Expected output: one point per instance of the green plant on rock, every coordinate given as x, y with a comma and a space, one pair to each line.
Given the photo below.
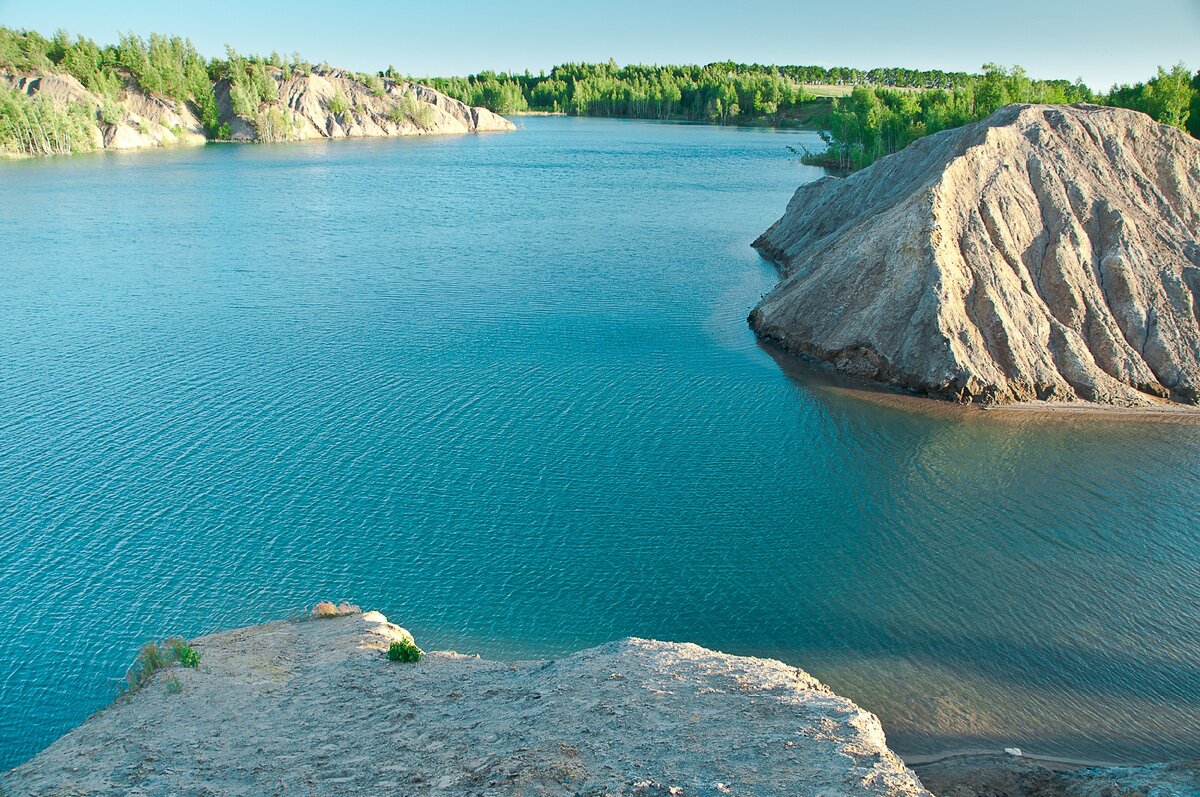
405, 650
110, 112
156, 656
275, 124
184, 653
39, 126
408, 109
338, 104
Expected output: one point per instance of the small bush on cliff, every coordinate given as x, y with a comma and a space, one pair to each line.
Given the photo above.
409, 109
184, 653
405, 651
327, 609
338, 104
156, 656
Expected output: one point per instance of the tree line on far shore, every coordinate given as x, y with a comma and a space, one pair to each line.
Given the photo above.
884, 110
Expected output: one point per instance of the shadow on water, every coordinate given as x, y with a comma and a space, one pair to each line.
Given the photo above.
820, 379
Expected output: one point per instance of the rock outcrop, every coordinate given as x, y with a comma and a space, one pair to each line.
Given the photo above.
1046, 252
334, 103
137, 120
322, 103
314, 707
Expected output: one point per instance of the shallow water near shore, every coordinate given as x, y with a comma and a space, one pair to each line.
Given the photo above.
501, 388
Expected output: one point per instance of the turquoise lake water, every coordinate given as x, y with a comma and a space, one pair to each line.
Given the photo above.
502, 389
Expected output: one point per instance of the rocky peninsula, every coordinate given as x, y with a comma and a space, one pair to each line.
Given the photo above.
315, 706
1044, 253
324, 102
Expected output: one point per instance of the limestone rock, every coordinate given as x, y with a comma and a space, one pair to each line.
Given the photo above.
400, 109
139, 119
1046, 252
314, 707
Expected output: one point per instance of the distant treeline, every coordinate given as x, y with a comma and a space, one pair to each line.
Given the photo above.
724, 92
718, 92
885, 111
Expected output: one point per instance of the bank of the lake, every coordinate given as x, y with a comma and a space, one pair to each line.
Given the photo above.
502, 387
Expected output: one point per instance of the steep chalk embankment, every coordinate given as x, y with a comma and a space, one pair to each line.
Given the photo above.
313, 707
1046, 252
310, 106
323, 103
140, 120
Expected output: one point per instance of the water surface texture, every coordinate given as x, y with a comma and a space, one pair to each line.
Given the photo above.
501, 388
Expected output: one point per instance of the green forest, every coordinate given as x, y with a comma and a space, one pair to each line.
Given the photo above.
873, 122
880, 111
883, 111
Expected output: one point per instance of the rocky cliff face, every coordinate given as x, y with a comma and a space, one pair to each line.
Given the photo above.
332, 103
1046, 252
137, 120
326, 103
314, 707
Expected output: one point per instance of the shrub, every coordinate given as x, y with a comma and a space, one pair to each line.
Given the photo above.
38, 126
405, 650
409, 109
174, 685
326, 609
338, 104
275, 124
184, 653
110, 112
372, 82
155, 656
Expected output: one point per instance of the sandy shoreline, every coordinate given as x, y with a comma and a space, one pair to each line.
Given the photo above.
821, 377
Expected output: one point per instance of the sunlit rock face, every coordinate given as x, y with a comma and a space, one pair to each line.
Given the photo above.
1046, 252
315, 707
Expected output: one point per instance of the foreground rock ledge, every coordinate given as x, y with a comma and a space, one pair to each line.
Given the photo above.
1044, 253
314, 707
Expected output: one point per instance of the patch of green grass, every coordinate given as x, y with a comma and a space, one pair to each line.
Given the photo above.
338, 104
156, 656
184, 653
405, 651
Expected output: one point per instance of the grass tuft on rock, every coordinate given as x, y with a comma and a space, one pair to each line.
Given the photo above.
156, 656
405, 651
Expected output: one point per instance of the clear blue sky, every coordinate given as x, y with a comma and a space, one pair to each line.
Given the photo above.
1102, 41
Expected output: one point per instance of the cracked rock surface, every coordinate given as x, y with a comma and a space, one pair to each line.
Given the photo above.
1044, 253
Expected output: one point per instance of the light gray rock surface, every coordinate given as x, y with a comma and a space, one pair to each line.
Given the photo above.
314, 707
304, 110
1046, 252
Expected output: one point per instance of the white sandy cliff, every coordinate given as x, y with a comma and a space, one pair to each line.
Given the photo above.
314, 707
1046, 252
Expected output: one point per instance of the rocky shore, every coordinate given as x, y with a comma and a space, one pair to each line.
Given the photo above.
315, 706
1046, 253
323, 103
